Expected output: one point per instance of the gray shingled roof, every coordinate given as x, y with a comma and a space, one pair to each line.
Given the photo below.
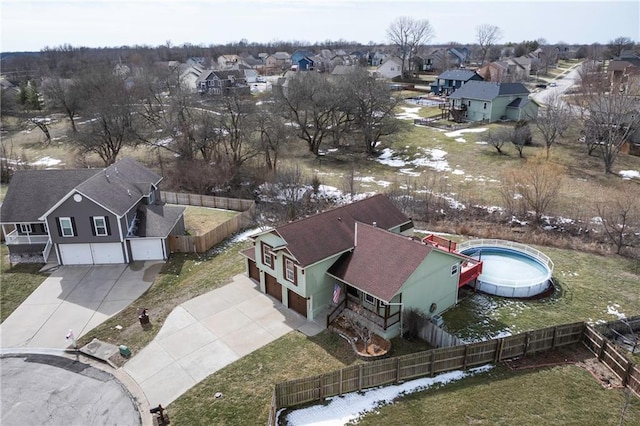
120, 186
32, 192
158, 221
486, 91
320, 236
518, 103
461, 75
381, 262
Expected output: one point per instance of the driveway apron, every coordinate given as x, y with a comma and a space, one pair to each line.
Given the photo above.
204, 334
77, 298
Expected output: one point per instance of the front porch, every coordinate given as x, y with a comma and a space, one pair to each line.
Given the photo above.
28, 248
379, 317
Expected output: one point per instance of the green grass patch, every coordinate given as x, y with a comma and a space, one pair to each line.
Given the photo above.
200, 220
587, 285
247, 384
18, 282
560, 395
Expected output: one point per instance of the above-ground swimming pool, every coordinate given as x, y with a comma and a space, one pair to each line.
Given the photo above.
509, 269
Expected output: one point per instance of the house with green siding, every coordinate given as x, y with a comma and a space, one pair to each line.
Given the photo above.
488, 101
362, 257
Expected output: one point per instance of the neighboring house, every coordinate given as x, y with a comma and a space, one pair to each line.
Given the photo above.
121, 69
227, 61
222, 82
299, 54
486, 101
89, 216
496, 72
189, 75
391, 68
447, 82
303, 64
360, 256
343, 70
619, 70
459, 56
510, 70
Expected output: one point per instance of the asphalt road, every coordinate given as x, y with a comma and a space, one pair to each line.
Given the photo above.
53, 390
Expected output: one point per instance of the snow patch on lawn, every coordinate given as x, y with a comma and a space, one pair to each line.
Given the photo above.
629, 174
410, 113
458, 133
613, 310
461, 140
349, 407
47, 162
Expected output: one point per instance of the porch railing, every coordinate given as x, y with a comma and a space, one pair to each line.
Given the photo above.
336, 312
47, 250
14, 238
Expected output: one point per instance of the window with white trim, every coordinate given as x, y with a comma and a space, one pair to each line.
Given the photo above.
25, 228
290, 270
369, 299
454, 269
267, 255
66, 227
100, 226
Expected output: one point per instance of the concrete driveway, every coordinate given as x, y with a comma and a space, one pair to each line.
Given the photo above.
77, 298
204, 334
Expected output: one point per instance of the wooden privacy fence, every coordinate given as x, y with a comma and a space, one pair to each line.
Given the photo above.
437, 337
612, 358
202, 243
421, 364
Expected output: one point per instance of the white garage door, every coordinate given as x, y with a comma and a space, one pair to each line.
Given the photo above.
76, 254
147, 249
107, 253
89, 254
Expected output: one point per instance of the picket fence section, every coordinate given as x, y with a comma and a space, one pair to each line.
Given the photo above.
203, 243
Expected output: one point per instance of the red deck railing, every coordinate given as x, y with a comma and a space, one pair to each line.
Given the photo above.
471, 268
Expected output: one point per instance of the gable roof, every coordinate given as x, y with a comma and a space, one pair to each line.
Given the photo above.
32, 192
381, 261
119, 186
463, 75
331, 232
486, 91
158, 221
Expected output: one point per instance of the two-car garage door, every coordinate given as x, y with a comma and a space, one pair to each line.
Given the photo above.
91, 254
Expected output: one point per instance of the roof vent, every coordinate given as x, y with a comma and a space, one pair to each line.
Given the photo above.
129, 193
375, 224
107, 176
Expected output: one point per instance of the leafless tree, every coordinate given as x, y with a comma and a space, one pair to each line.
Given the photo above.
552, 119
620, 217
536, 185
371, 105
408, 34
111, 113
64, 94
487, 35
274, 136
309, 102
618, 44
612, 114
499, 137
521, 136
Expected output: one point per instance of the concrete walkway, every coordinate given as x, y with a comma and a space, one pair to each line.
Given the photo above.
77, 298
204, 334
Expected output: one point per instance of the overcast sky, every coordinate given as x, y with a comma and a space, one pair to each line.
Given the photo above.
30, 25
